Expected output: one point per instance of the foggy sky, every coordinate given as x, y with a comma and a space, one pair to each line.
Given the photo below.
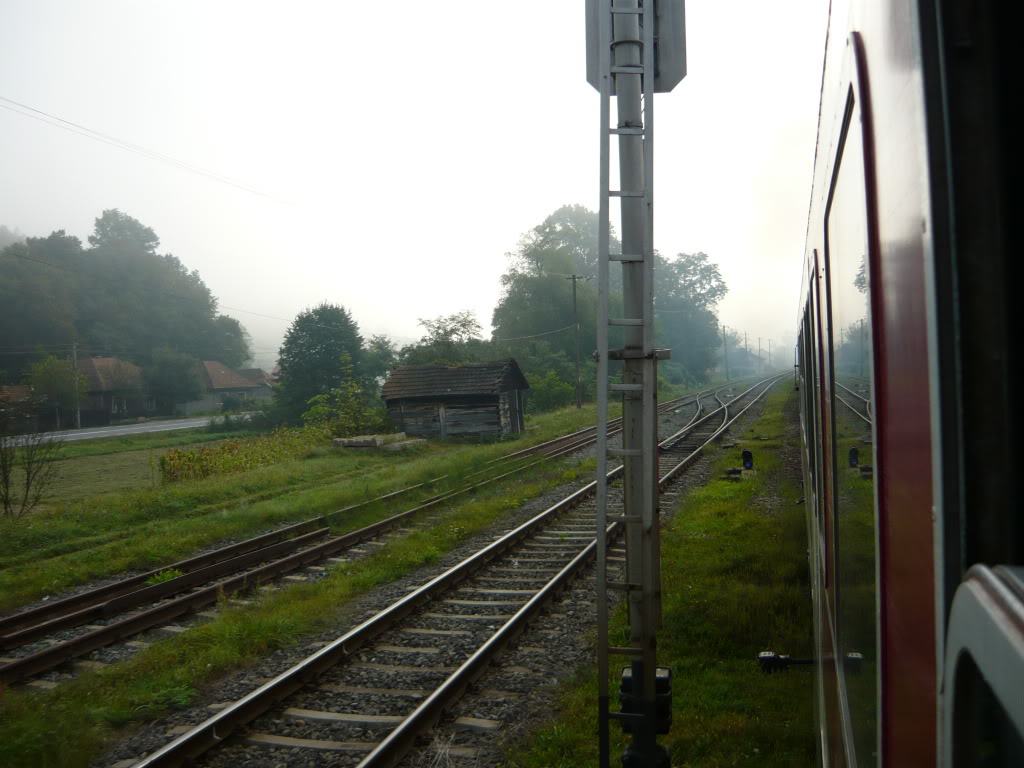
398, 150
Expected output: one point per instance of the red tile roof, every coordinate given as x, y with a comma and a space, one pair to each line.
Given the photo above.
14, 393
219, 376
105, 374
447, 381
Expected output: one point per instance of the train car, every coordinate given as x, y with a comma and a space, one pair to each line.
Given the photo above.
904, 366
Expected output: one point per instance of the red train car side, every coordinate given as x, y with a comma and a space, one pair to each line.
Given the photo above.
904, 360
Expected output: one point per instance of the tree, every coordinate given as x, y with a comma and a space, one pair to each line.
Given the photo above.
379, 358
346, 410
9, 236
28, 468
118, 297
173, 378
549, 391
309, 357
114, 229
57, 384
450, 340
687, 290
39, 305
537, 302
232, 341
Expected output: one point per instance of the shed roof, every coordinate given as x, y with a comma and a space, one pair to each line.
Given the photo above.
106, 374
219, 376
449, 380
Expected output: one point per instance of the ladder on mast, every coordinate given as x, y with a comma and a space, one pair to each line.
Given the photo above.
626, 66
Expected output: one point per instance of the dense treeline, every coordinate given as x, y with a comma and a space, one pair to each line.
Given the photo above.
119, 297
115, 297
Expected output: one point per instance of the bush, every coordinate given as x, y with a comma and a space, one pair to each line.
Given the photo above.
231, 403
225, 424
346, 411
267, 416
238, 455
549, 392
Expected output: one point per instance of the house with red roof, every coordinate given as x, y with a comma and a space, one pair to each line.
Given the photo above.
225, 385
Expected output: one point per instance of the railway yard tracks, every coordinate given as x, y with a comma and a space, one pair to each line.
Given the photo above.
52, 641
855, 400
365, 697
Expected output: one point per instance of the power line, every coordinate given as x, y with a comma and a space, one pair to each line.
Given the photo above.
533, 336
127, 146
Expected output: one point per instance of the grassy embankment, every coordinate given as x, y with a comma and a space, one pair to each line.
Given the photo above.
68, 726
735, 583
68, 544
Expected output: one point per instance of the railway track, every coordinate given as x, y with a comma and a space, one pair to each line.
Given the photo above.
43, 645
856, 402
367, 696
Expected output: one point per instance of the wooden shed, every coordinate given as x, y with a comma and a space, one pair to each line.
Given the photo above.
477, 400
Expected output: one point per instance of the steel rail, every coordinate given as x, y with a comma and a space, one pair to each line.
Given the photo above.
72, 606
217, 727
401, 739
60, 653
867, 403
668, 476
107, 591
63, 652
188, 746
149, 594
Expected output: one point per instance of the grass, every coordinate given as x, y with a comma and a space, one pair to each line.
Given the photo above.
735, 583
104, 446
65, 545
69, 726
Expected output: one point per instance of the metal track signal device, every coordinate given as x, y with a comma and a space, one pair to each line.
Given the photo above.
634, 48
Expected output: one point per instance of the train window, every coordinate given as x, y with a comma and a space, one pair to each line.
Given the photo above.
854, 521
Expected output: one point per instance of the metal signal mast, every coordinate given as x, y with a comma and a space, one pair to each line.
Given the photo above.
634, 48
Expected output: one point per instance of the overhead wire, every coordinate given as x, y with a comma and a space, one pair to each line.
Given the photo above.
532, 336
104, 138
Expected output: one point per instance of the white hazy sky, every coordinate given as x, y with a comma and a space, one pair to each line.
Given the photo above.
402, 147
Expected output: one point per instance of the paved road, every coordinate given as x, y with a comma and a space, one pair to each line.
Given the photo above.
131, 429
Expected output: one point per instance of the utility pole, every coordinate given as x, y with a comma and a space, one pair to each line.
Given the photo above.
576, 323
761, 367
74, 365
725, 353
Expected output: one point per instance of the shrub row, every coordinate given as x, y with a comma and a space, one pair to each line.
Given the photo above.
237, 455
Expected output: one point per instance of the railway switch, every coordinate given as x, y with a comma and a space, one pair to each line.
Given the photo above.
633, 704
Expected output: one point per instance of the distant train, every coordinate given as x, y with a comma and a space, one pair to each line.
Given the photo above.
909, 413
